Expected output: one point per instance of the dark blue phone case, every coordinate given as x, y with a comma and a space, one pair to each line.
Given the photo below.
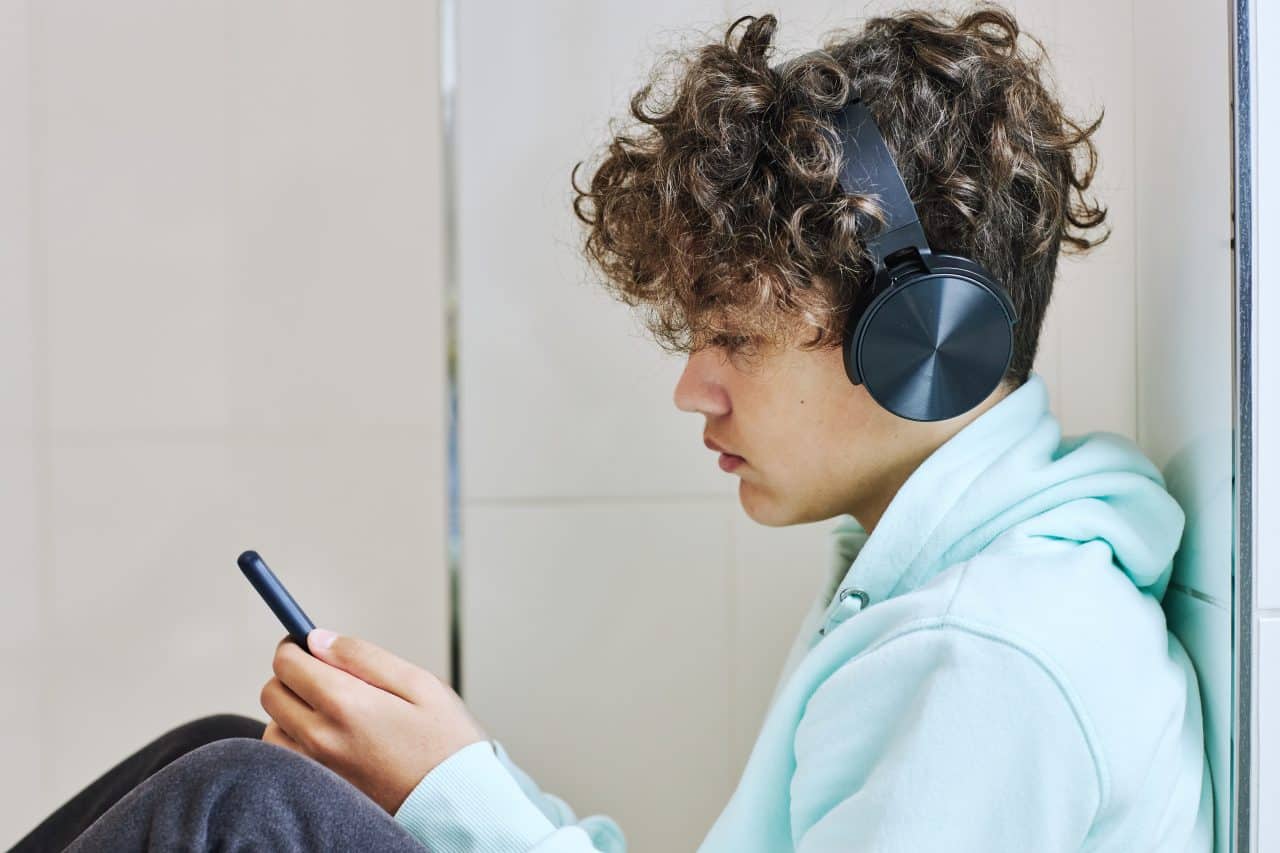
276, 597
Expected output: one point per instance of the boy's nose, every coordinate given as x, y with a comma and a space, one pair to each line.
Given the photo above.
699, 388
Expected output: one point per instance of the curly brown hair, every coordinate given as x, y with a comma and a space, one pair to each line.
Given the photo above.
722, 215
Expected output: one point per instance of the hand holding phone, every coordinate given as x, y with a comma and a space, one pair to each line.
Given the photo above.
277, 597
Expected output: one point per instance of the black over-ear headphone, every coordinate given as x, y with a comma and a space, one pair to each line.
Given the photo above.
932, 335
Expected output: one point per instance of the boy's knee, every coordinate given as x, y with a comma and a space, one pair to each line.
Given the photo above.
250, 759
257, 780
234, 789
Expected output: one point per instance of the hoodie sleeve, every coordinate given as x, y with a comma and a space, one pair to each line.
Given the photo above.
943, 738
478, 801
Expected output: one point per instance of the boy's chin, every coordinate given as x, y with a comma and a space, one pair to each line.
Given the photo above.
768, 509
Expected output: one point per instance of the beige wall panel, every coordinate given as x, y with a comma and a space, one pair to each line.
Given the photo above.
228, 333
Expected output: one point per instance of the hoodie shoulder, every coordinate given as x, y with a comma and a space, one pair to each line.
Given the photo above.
1063, 600
1072, 608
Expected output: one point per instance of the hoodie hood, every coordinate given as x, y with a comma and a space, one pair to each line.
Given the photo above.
1011, 468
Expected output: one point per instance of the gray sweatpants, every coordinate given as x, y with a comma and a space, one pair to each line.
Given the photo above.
242, 794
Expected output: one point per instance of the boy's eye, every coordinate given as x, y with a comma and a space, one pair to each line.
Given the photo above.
731, 342
734, 346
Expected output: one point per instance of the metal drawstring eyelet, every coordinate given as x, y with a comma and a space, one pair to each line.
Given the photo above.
842, 608
862, 596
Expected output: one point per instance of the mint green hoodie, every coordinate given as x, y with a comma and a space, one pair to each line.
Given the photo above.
990, 671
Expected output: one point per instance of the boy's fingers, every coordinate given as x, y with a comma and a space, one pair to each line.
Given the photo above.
374, 665
289, 714
315, 682
274, 734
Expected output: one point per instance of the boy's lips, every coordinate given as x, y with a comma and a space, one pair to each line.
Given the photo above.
711, 445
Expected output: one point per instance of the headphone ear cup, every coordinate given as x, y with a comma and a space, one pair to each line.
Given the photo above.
931, 344
946, 262
865, 297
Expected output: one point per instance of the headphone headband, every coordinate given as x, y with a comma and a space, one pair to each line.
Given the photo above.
870, 170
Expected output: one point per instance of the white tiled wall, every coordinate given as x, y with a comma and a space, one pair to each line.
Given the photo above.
614, 590
220, 328
597, 647
1184, 331
1267, 752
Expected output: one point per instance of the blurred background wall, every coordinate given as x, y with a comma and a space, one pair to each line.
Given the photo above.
224, 239
221, 328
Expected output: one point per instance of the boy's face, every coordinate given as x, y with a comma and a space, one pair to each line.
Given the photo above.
815, 445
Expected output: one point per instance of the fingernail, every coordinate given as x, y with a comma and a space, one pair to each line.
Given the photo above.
322, 638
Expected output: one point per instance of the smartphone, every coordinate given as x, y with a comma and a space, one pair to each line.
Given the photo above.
276, 597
